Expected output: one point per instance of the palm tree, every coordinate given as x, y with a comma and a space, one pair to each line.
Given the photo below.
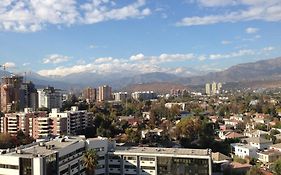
90, 161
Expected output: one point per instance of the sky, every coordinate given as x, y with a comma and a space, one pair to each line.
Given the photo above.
61, 37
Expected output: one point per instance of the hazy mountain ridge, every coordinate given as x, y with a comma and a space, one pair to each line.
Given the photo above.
260, 70
264, 70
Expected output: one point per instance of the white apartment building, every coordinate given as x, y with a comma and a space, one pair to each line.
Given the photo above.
49, 98
119, 96
63, 156
144, 95
244, 150
159, 161
73, 120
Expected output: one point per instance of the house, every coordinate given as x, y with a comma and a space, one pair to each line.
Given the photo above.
276, 147
229, 134
258, 142
269, 156
245, 150
231, 122
255, 133
238, 168
151, 133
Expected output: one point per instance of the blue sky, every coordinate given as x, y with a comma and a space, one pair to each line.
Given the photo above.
111, 36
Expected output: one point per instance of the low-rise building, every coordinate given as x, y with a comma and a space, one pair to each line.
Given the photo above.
64, 156
259, 142
245, 150
269, 156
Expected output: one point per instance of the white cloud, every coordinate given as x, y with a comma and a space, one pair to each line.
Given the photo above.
55, 58
25, 64
138, 57
9, 65
103, 60
225, 42
269, 48
239, 53
265, 10
34, 15
251, 30
141, 63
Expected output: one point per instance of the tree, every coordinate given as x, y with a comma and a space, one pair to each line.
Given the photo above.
90, 161
254, 171
277, 167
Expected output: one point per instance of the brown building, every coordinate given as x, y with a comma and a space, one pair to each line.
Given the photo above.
10, 93
89, 94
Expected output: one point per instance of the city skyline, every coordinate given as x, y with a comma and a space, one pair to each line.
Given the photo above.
103, 36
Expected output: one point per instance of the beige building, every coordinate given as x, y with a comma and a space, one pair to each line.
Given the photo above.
104, 93
89, 94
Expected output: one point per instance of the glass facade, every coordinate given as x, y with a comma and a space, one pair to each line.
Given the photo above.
182, 166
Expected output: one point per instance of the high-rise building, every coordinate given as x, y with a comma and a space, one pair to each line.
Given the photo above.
219, 86
49, 98
90, 94
104, 93
208, 88
214, 88
28, 96
10, 93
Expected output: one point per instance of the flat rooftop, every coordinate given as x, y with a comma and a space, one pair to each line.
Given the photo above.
162, 151
43, 148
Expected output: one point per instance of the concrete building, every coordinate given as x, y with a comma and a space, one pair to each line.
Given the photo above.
208, 89
28, 96
59, 156
63, 155
214, 88
42, 125
104, 93
181, 106
49, 98
144, 95
245, 150
120, 96
158, 161
72, 121
26, 121
10, 93
90, 94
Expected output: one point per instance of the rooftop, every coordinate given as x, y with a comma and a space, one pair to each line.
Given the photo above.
43, 148
259, 140
278, 145
156, 150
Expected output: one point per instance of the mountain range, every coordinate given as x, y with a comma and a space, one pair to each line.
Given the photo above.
264, 70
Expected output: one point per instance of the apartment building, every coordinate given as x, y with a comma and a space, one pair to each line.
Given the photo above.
104, 93
120, 96
63, 155
10, 93
158, 161
70, 122
89, 94
144, 95
42, 125
49, 97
